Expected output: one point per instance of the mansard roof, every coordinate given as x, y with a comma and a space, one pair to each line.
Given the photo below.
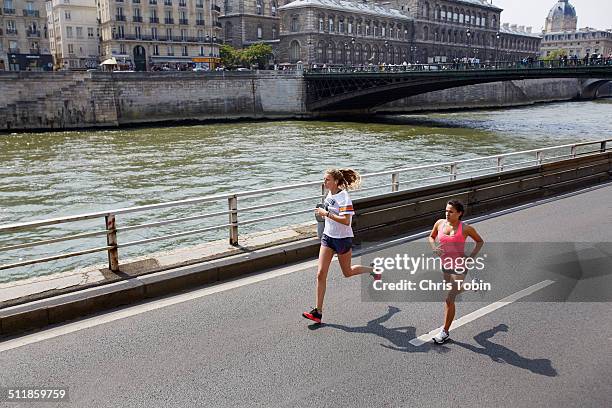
347, 5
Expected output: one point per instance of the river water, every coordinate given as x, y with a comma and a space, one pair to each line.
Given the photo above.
44, 175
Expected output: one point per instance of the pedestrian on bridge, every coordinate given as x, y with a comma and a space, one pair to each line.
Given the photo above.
447, 239
338, 234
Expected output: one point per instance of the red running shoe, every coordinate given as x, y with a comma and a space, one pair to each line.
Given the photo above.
313, 315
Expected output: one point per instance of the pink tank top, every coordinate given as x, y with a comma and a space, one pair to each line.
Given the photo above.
452, 246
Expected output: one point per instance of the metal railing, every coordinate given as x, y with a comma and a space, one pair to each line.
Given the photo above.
459, 66
112, 230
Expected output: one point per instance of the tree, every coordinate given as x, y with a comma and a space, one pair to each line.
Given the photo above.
257, 54
555, 54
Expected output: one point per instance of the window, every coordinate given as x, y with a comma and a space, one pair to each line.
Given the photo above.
183, 34
331, 24
273, 7
68, 32
122, 48
321, 24
259, 32
185, 53
294, 24
90, 32
70, 49
170, 50
350, 27
67, 14
137, 32
156, 50
168, 33
341, 26
259, 7
201, 50
274, 32
79, 32
154, 33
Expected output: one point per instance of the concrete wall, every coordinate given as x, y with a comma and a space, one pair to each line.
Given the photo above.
496, 94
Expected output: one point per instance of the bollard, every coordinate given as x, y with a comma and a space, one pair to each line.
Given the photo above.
111, 241
395, 182
233, 219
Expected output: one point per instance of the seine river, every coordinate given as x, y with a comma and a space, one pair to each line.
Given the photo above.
44, 175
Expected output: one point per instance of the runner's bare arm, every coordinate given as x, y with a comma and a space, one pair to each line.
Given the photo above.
432, 236
471, 232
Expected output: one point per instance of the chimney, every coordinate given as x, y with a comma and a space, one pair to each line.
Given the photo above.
521, 28
513, 27
529, 29
506, 26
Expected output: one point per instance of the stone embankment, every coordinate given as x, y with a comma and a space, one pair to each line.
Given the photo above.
69, 100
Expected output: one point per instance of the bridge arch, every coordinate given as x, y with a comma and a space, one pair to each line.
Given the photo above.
591, 87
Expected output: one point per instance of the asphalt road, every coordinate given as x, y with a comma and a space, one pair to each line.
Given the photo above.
249, 346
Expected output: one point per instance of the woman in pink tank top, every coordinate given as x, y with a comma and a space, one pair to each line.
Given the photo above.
447, 239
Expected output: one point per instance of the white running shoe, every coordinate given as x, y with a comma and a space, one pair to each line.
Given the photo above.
441, 337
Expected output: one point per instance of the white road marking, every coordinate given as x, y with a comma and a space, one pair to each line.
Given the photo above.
149, 306
426, 338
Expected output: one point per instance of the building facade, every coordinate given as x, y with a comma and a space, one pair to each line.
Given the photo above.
579, 43
343, 32
446, 30
247, 22
562, 17
151, 34
561, 34
24, 38
74, 33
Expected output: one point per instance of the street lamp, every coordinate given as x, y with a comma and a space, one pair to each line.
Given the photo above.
435, 47
211, 40
497, 37
413, 49
468, 36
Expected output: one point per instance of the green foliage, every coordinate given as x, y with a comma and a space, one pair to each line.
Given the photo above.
554, 55
256, 54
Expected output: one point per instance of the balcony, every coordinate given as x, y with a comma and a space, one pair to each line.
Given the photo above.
168, 3
217, 24
183, 21
215, 8
31, 13
182, 4
135, 1
137, 19
153, 20
168, 21
34, 51
9, 11
200, 22
120, 18
200, 5
153, 2
0, 31
11, 31
14, 50
33, 33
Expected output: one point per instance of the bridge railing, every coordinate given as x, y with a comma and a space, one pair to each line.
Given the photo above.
460, 65
269, 204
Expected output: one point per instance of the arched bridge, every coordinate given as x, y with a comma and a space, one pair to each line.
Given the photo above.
358, 88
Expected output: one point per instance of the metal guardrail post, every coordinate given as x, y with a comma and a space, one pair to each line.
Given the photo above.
111, 241
573, 151
453, 172
539, 157
233, 219
322, 192
500, 164
395, 182
603, 147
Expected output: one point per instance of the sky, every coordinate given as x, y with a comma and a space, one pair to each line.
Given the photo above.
591, 13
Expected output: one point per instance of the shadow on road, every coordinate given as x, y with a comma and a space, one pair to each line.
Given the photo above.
399, 337
501, 354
